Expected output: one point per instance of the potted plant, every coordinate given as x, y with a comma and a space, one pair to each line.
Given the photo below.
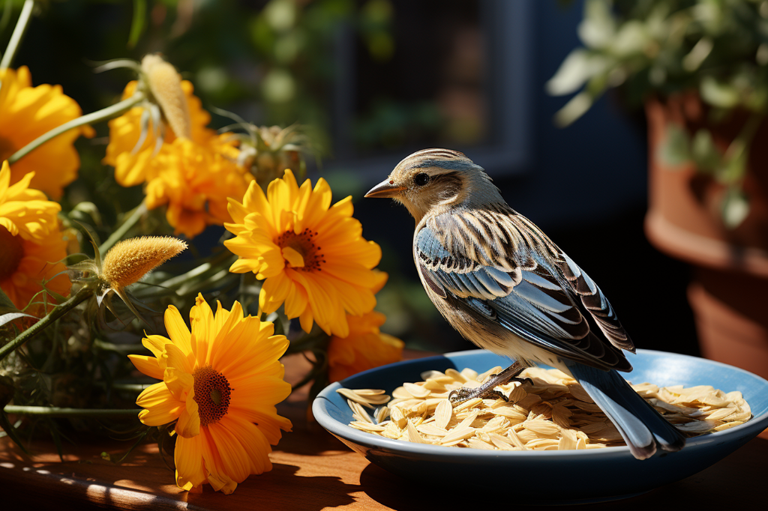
700, 69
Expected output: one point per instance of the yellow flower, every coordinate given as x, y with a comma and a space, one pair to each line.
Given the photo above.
132, 159
364, 348
312, 255
31, 242
221, 382
28, 112
195, 182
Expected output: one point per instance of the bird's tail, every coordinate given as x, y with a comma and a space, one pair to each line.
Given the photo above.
642, 427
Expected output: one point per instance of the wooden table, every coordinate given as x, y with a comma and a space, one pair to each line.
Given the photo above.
314, 471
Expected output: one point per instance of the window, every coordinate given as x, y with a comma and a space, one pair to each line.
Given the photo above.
458, 77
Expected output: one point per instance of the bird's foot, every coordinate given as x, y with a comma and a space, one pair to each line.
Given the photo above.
488, 389
463, 394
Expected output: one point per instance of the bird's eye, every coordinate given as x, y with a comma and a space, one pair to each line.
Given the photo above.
421, 179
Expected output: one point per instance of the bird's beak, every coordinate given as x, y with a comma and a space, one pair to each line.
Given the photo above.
384, 190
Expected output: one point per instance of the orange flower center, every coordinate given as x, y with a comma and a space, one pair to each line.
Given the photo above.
11, 253
212, 392
300, 250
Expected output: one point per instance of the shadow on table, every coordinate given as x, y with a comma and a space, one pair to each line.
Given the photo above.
279, 490
738, 479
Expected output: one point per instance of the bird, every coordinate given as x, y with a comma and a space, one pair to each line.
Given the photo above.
505, 286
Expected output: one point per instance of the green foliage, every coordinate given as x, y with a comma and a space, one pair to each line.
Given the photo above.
654, 48
658, 47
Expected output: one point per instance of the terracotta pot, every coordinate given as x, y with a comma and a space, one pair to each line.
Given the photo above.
729, 293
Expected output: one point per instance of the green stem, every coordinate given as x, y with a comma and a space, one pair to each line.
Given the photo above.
211, 265
58, 311
138, 388
124, 228
123, 349
18, 33
50, 411
94, 117
739, 150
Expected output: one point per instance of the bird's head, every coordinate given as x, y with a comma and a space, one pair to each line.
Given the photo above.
435, 179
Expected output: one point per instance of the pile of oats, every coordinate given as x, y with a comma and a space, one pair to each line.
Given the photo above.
555, 413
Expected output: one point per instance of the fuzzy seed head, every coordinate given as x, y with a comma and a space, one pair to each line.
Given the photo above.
165, 85
129, 260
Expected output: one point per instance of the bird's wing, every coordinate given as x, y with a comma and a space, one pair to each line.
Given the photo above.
498, 264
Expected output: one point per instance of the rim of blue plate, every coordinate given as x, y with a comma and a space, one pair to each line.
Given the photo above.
342, 430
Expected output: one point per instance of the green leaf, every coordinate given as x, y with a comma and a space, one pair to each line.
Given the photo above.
735, 162
598, 27
575, 108
86, 211
631, 39
6, 425
734, 207
138, 22
5, 303
705, 153
578, 67
674, 150
718, 94
698, 54
12, 316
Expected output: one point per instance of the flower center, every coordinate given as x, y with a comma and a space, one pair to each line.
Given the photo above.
11, 253
212, 392
300, 250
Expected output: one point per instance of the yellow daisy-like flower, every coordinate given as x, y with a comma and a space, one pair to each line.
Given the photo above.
312, 255
31, 241
364, 348
132, 161
195, 183
28, 112
221, 382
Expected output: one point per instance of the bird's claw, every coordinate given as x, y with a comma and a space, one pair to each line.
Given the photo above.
458, 396
463, 394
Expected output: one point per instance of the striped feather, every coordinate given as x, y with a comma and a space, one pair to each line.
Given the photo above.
500, 257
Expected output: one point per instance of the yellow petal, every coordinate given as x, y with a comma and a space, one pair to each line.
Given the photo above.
251, 446
188, 455
188, 424
156, 344
177, 329
293, 257
257, 393
201, 317
179, 383
217, 477
175, 358
147, 365
161, 406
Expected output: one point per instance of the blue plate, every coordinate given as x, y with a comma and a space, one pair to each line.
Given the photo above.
550, 477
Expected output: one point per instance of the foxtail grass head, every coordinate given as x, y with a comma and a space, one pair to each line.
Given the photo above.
129, 260
164, 84
162, 102
126, 263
